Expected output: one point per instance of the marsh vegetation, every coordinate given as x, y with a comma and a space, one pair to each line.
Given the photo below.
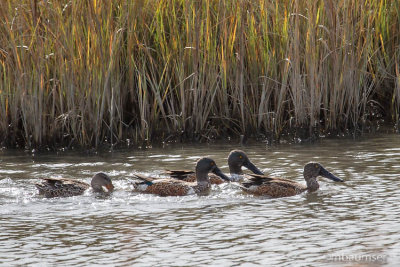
92, 72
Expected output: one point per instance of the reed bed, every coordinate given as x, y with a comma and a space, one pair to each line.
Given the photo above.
93, 72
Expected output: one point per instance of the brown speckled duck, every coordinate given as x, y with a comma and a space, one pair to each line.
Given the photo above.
278, 187
62, 187
175, 187
236, 160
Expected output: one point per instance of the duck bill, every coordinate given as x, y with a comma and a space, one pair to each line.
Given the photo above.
326, 174
109, 187
218, 172
252, 168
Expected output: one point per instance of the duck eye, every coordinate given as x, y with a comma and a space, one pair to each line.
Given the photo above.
240, 156
212, 163
316, 166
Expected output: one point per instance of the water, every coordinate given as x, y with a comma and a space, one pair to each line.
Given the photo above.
339, 225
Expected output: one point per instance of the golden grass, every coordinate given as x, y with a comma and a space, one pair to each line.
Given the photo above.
89, 72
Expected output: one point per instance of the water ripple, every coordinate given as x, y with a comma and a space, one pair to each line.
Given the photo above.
228, 227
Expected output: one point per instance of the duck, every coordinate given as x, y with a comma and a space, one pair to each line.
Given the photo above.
236, 160
64, 187
279, 187
175, 187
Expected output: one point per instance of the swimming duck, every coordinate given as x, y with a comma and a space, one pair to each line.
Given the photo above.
279, 187
174, 187
62, 187
236, 159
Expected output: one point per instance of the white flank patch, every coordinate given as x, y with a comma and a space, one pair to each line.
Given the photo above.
191, 191
253, 188
142, 187
236, 177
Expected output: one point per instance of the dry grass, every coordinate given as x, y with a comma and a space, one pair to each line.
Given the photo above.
89, 72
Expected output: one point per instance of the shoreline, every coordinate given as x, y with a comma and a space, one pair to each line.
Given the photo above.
289, 138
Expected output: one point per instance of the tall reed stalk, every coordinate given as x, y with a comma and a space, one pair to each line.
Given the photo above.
88, 72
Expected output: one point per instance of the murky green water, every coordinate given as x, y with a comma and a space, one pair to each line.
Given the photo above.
341, 224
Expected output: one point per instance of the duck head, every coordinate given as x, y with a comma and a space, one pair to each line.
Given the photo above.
206, 165
237, 159
315, 169
101, 182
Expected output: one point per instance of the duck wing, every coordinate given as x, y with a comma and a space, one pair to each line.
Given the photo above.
144, 179
170, 187
179, 174
163, 187
272, 187
190, 176
61, 187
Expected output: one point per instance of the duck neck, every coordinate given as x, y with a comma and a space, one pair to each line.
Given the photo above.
202, 179
235, 169
312, 184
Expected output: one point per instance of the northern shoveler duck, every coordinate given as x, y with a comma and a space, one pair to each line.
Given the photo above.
62, 187
174, 187
236, 160
278, 187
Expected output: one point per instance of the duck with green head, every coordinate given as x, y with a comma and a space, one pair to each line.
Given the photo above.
279, 187
62, 187
236, 160
176, 187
